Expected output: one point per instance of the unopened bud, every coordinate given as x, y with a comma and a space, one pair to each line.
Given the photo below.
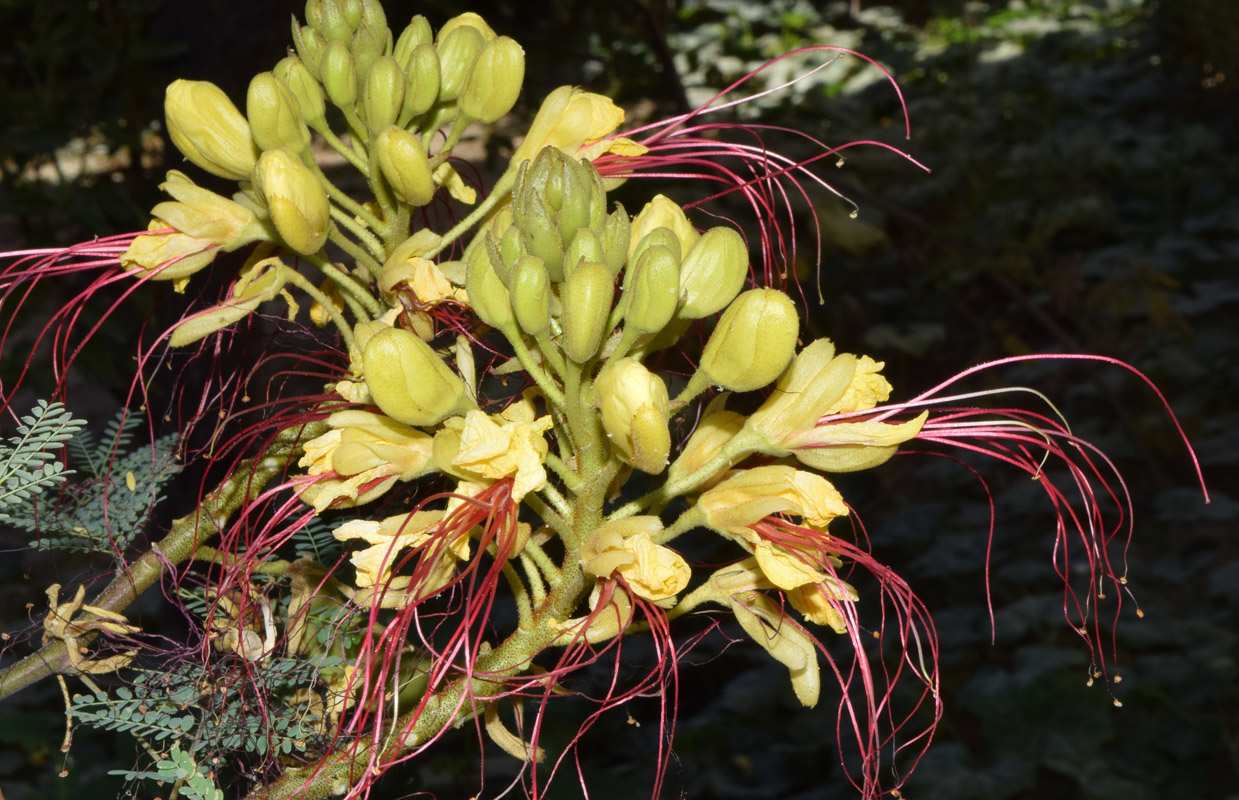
663, 237
304, 87
373, 15
366, 47
421, 87
383, 94
352, 11
661, 212
615, 236
712, 273
405, 166
457, 52
531, 294
295, 199
754, 340
495, 80
209, 130
586, 299
327, 17
467, 20
339, 75
651, 290
417, 32
487, 293
310, 45
635, 414
584, 246
409, 381
274, 115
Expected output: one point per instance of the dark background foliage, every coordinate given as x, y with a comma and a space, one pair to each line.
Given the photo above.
1083, 198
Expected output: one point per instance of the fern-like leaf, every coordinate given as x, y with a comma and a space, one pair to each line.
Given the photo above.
28, 460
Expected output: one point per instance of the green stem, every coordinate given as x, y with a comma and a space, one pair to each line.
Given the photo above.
571, 480
278, 568
548, 387
499, 192
524, 611
361, 302
346, 331
375, 252
334, 142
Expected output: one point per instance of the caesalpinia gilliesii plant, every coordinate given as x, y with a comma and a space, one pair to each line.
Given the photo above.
524, 417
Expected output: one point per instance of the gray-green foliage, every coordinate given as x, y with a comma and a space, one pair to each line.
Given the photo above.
118, 490
29, 465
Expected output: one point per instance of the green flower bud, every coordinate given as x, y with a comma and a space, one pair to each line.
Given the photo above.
274, 116
352, 11
531, 294
310, 45
408, 380
663, 237
457, 52
487, 293
417, 32
753, 342
295, 199
494, 83
422, 85
585, 246
373, 15
327, 17
467, 20
339, 75
574, 207
304, 88
651, 290
635, 414
712, 273
586, 299
405, 166
536, 221
383, 94
366, 47
209, 130
512, 247
615, 235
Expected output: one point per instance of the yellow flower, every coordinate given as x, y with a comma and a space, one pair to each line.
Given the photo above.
205, 223
652, 571
813, 601
750, 495
819, 383
363, 448
716, 429
424, 278
387, 538
576, 122
508, 445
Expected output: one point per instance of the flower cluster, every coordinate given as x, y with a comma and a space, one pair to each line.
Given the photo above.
506, 424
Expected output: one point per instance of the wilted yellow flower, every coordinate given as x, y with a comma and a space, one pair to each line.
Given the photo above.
813, 601
363, 448
513, 446
652, 571
424, 278
576, 122
390, 536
